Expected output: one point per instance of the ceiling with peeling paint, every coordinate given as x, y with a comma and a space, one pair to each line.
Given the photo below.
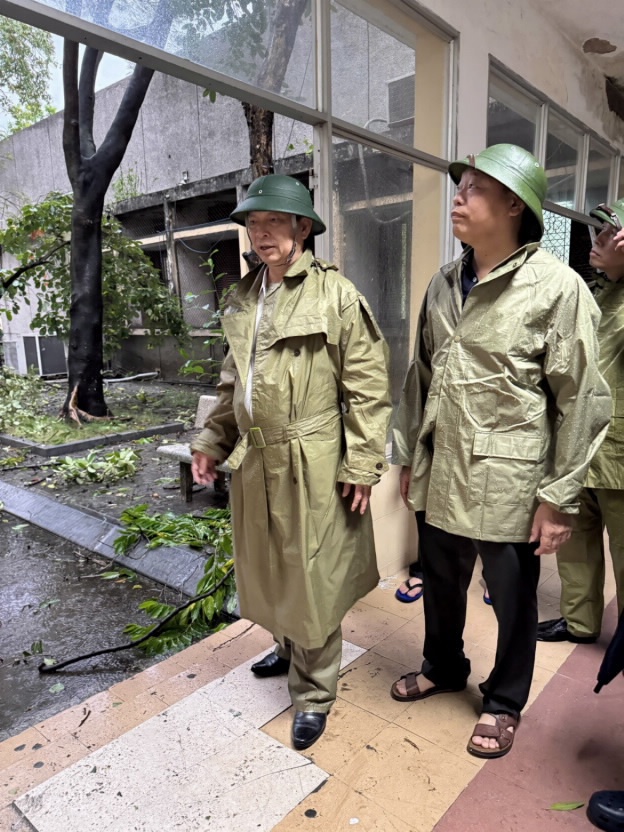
596, 27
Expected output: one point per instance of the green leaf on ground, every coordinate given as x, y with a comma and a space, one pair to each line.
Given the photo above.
57, 688
567, 807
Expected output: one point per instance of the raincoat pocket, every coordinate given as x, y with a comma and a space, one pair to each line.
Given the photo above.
506, 468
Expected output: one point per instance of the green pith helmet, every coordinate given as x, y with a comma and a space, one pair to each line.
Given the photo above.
515, 168
604, 213
278, 193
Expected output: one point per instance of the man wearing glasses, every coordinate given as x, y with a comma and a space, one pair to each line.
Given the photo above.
581, 560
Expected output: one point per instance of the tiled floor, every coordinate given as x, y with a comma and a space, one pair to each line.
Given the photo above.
197, 743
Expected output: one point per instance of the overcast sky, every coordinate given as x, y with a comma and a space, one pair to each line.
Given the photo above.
111, 69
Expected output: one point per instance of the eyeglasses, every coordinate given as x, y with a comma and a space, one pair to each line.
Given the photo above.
609, 229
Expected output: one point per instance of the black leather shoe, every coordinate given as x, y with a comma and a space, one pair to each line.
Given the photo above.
557, 630
271, 665
606, 810
307, 728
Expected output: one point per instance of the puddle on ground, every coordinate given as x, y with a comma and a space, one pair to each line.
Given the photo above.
48, 594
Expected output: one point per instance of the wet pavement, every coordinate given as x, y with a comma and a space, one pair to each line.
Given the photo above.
49, 594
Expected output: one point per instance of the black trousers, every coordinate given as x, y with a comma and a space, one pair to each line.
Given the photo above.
511, 572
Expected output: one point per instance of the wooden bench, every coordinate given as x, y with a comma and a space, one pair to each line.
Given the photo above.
181, 452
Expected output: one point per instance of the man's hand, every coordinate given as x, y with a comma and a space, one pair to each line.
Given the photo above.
405, 477
203, 468
551, 528
361, 495
619, 242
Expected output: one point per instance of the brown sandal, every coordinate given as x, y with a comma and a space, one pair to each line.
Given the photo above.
499, 732
413, 691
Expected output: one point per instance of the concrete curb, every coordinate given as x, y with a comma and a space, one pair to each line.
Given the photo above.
177, 567
88, 444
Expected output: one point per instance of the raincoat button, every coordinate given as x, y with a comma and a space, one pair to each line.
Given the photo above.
296, 352
457, 339
379, 466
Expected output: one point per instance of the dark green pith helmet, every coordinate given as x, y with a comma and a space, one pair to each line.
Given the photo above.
278, 193
515, 168
608, 213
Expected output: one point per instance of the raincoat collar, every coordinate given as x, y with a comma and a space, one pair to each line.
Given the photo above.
514, 261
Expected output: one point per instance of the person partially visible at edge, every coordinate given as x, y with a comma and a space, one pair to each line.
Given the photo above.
302, 417
581, 561
502, 411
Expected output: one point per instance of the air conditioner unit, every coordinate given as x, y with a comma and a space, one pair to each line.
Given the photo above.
401, 97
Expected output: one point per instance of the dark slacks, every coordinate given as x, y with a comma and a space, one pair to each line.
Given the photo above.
511, 572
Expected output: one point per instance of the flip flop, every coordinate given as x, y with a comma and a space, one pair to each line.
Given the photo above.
486, 599
499, 732
413, 691
404, 597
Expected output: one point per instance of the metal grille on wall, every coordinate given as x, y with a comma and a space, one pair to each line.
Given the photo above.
556, 237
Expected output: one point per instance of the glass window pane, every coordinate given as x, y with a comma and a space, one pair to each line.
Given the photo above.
598, 175
390, 76
562, 147
512, 116
269, 44
388, 221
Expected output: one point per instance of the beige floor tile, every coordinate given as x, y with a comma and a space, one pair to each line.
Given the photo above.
545, 574
53, 757
189, 680
405, 645
12, 821
67, 722
20, 747
366, 626
366, 684
408, 776
482, 662
145, 680
348, 730
383, 598
551, 655
249, 641
335, 807
102, 728
551, 586
547, 607
445, 720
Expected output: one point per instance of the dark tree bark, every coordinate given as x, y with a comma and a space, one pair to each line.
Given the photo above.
90, 172
271, 77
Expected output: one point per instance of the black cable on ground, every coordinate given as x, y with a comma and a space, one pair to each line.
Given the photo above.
52, 668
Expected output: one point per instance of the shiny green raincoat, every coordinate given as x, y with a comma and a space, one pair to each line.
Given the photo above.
321, 409
607, 467
508, 391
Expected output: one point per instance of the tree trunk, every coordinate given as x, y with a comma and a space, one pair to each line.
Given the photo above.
85, 391
271, 77
260, 127
90, 172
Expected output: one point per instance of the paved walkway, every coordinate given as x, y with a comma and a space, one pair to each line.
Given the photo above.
197, 743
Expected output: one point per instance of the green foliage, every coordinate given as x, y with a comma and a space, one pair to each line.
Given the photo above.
127, 185
114, 466
15, 392
26, 61
212, 531
39, 238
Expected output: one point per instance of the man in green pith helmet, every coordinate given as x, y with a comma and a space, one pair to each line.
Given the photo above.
502, 411
302, 418
581, 561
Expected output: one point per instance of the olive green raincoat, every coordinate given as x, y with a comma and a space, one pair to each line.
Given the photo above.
607, 467
508, 389
321, 410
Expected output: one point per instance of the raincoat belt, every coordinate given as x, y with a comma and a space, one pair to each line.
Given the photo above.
261, 437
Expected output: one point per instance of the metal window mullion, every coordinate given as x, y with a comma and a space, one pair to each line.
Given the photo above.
541, 133
581, 178
323, 173
614, 178
352, 132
